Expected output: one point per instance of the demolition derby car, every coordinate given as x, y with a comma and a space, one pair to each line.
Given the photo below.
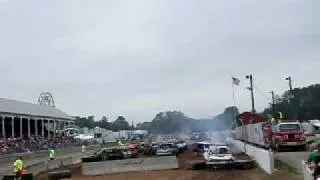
167, 149
217, 154
106, 154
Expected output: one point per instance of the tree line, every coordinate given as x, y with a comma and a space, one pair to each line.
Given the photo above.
165, 122
178, 122
119, 124
299, 104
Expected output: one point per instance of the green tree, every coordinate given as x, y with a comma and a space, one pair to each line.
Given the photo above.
103, 123
169, 122
120, 124
143, 126
300, 103
85, 121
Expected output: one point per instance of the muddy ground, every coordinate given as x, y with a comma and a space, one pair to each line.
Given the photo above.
183, 174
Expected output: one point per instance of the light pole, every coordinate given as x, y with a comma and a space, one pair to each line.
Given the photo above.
292, 100
273, 104
251, 90
290, 82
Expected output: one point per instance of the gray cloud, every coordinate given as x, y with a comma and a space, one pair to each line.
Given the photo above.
136, 58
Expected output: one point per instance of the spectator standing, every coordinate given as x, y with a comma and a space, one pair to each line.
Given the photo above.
18, 168
52, 154
315, 154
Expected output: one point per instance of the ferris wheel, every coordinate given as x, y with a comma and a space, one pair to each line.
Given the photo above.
46, 98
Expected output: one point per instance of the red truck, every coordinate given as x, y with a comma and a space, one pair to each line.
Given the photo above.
286, 134
256, 130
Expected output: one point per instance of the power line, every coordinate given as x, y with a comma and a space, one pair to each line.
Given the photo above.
258, 89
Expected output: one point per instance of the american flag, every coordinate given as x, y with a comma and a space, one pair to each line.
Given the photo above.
235, 81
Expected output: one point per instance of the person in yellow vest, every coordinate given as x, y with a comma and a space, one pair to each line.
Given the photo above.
18, 168
273, 121
280, 115
52, 154
120, 142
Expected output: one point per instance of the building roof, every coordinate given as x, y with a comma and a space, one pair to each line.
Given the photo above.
24, 108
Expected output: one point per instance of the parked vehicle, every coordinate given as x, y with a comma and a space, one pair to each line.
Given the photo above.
288, 134
145, 148
167, 149
127, 154
154, 147
105, 155
182, 146
199, 147
133, 151
218, 154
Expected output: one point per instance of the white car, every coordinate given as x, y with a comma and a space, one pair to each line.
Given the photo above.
218, 153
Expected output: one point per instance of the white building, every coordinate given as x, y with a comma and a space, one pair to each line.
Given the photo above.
84, 130
140, 132
126, 134
20, 119
103, 135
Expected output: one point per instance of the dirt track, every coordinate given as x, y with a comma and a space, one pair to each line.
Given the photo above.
183, 174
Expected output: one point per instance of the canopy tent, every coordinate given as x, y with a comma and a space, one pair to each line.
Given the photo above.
83, 137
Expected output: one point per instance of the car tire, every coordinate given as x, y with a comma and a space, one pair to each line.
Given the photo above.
303, 148
277, 148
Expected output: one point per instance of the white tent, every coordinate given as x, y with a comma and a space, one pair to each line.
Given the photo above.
84, 137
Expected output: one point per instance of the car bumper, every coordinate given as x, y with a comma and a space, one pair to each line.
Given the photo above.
292, 143
219, 162
164, 153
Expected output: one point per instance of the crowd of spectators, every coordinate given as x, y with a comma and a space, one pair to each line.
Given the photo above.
31, 144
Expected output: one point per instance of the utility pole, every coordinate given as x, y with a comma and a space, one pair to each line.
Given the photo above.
290, 82
273, 104
252, 104
292, 98
132, 129
251, 89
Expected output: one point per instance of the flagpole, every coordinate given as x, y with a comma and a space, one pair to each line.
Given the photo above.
234, 112
233, 96
234, 103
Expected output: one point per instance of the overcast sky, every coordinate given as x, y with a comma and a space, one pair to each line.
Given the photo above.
138, 57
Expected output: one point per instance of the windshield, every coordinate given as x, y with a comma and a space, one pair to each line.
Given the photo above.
219, 150
165, 146
289, 127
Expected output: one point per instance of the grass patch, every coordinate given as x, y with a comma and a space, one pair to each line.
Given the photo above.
278, 164
110, 144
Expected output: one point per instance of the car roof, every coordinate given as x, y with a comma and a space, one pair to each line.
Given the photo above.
202, 143
288, 123
220, 146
